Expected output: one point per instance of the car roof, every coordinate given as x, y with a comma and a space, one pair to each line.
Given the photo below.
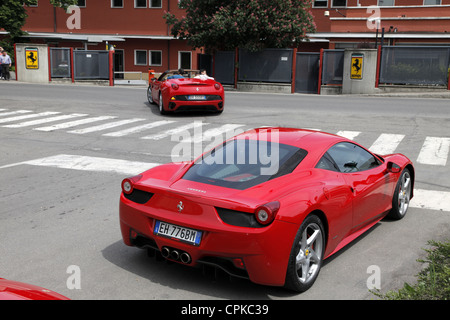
300, 138
316, 143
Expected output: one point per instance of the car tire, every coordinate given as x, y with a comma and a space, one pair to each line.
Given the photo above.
402, 196
161, 104
149, 95
306, 255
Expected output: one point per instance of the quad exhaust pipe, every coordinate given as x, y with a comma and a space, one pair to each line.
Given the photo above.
176, 255
185, 258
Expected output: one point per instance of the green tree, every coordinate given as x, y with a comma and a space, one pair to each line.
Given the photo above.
247, 24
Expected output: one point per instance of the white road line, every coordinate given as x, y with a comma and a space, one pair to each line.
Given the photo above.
178, 130
434, 151
348, 134
386, 143
3, 109
11, 113
227, 129
45, 120
85, 163
433, 200
137, 129
28, 116
75, 123
423, 199
106, 126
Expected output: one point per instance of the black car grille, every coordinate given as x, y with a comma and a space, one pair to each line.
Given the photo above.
238, 218
139, 196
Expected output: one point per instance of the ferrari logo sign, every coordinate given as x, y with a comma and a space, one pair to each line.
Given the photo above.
31, 58
180, 206
357, 66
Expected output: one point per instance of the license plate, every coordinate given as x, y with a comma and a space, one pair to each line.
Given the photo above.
190, 236
197, 97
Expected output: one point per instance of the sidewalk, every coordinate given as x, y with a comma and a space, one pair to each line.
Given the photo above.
438, 94
413, 95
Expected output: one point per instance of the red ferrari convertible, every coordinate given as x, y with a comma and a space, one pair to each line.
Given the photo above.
175, 92
268, 205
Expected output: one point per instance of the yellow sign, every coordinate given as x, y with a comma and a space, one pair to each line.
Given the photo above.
31, 57
357, 66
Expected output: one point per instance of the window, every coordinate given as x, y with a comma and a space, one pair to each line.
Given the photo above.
155, 3
339, 3
155, 58
327, 163
351, 158
432, 2
81, 3
140, 3
386, 3
140, 57
233, 164
184, 59
116, 3
320, 4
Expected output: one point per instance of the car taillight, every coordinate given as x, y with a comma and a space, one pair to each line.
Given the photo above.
175, 86
217, 86
128, 184
266, 213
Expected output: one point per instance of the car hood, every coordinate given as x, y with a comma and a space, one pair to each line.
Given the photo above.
13, 290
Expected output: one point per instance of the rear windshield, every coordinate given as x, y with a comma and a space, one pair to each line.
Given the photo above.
241, 164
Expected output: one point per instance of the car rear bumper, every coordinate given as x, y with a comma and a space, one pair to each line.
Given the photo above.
207, 105
264, 251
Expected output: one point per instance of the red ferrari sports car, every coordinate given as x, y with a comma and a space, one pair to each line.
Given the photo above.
268, 205
13, 290
174, 92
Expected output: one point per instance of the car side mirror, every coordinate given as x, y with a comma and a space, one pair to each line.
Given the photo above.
392, 167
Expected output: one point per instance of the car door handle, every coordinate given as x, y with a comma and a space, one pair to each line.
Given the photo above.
352, 190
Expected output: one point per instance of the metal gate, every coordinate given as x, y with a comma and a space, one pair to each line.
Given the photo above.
224, 67
268, 65
91, 64
307, 72
60, 63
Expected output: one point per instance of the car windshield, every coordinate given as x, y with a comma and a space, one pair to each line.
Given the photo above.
242, 163
174, 74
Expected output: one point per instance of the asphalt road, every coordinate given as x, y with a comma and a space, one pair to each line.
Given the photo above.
55, 214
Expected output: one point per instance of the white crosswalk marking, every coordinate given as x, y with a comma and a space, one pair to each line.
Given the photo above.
75, 123
84, 163
11, 113
434, 200
348, 134
28, 116
106, 126
424, 199
178, 130
434, 151
226, 129
137, 129
45, 120
386, 143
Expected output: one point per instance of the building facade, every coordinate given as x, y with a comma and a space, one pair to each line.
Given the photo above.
136, 28
142, 40
348, 23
